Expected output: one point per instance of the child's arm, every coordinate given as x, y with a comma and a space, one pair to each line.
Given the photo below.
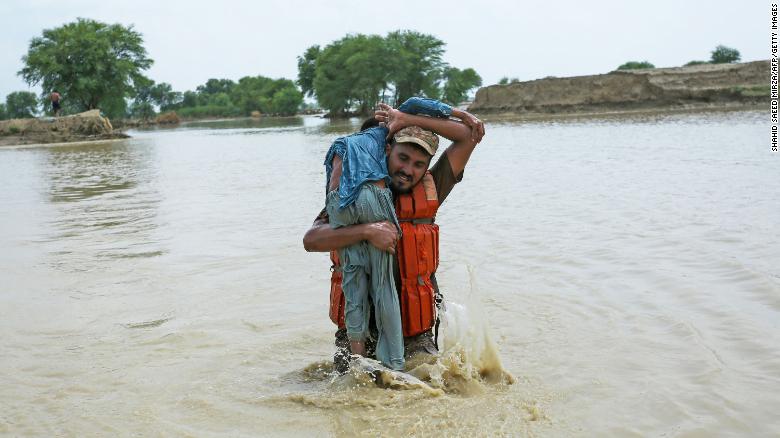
461, 135
434, 108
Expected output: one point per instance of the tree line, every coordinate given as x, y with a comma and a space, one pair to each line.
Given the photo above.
98, 65
720, 55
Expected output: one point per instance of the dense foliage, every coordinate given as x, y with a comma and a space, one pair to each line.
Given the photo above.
724, 55
226, 98
20, 105
356, 72
505, 80
92, 64
633, 65
458, 83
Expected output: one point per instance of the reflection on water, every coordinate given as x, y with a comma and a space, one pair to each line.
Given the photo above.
247, 123
87, 170
106, 200
627, 271
315, 125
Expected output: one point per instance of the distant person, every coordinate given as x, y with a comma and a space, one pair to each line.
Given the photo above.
55, 102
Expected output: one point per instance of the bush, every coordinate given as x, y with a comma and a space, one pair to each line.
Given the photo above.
690, 63
635, 65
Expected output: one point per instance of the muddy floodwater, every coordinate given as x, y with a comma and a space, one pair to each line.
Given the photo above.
624, 272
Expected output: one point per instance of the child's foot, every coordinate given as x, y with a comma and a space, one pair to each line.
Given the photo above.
358, 347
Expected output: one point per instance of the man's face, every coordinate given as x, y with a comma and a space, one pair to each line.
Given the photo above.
406, 164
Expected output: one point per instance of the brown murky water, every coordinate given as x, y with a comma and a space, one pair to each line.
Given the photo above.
625, 270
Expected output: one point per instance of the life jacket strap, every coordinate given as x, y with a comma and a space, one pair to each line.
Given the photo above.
425, 220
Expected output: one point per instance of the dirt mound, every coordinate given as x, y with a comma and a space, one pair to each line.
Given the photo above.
169, 118
699, 85
89, 125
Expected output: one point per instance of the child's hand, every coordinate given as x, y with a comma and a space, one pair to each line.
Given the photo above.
389, 117
382, 235
476, 125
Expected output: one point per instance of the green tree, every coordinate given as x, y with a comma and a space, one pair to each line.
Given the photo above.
189, 99
307, 69
164, 97
458, 84
275, 96
142, 107
634, 65
503, 81
21, 105
724, 55
220, 99
3, 112
416, 65
251, 93
351, 74
143, 110
357, 71
92, 64
215, 86
287, 101
689, 63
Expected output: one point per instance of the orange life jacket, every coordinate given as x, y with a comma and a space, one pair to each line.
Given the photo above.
418, 258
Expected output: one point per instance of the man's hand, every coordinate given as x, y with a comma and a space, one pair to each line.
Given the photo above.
476, 125
382, 235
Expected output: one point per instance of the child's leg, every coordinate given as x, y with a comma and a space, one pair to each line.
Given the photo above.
354, 283
356, 311
390, 345
375, 204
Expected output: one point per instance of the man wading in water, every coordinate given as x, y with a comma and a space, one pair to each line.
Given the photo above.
417, 194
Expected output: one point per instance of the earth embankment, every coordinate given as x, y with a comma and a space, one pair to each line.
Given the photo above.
86, 126
699, 86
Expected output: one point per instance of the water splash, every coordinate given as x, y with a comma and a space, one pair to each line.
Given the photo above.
469, 356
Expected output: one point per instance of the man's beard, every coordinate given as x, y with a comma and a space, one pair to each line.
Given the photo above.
397, 190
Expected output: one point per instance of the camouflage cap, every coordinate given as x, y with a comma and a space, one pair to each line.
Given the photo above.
414, 134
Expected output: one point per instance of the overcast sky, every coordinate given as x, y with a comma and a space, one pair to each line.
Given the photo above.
192, 41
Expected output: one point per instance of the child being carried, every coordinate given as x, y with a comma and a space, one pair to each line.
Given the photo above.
358, 162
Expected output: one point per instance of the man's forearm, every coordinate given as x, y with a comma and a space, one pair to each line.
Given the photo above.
450, 129
321, 237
